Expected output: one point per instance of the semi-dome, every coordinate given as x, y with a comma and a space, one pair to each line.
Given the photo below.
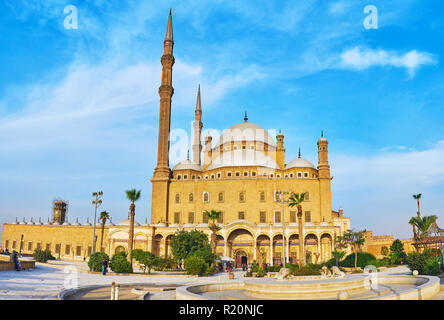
300, 163
246, 131
187, 165
243, 158
127, 222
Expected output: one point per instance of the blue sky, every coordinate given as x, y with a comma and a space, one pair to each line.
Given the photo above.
79, 107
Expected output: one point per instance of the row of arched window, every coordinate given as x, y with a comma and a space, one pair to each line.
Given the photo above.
221, 197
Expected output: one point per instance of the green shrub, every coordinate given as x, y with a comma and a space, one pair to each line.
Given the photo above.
261, 273
146, 260
42, 256
195, 265
426, 262
254, 267
210, 270
275, 268
364, 259
120, 264
306, 271
97, 258
397, 254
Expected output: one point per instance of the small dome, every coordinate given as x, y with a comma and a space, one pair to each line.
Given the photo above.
160, 224
243, 158
146, 224
300, 163
23, 221
15, 222
76, 223
47, 223
40, 221
66, 223
31, 222
246, 131
127, 222
187, 165
110, 223
87, 223
56, 223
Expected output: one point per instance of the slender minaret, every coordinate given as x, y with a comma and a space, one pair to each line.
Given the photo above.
324, 179
166, 91
197, 146
280, 150
160, 180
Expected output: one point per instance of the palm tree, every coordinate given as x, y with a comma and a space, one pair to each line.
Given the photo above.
422, 224
133, 195
417, 197
103, 217
213, 215
355, 240
295, 201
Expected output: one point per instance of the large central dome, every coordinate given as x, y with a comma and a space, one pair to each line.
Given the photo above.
246, 131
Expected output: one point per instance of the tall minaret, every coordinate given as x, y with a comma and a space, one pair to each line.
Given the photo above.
324, 179
160, 180
165, 92
197, 146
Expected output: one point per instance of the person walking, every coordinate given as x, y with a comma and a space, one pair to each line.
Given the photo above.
15, 260
104, 266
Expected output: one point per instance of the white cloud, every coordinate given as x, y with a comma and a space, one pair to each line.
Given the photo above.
362, 58
377, 190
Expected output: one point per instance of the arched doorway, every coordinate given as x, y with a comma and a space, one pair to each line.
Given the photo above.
119, 249
294, 248
220, 245
241, 258
157, 244
277, 249
240, 240
263, 249
326, 247
311, 249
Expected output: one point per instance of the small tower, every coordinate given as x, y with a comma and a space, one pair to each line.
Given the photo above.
323, 166
280, 150
197, 146
324, 180
59, 211
208, 152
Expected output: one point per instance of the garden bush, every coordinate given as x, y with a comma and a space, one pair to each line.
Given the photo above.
120, 264
42, 255
426, 262
306, 271
364, 259
97, 258
195, 265
261, 273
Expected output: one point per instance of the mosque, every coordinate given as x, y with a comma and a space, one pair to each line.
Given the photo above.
239, 175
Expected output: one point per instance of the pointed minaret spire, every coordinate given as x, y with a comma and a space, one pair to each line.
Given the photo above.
197, 124
322, 134
246, 117
166, 92
188, 154
169, 32
299, 154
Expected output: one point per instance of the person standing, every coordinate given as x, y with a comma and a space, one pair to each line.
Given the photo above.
104, 266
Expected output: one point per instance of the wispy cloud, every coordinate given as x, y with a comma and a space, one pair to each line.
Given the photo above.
359, 58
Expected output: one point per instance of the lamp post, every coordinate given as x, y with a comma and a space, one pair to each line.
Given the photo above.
282, 198
96, 202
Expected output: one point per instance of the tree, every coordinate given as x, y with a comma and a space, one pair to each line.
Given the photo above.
295, 200
384, 251
397, 254
104, 216
133, 195
355, 240
213, 216
146, 259
340, 243
422, 224
417, 197
185, 243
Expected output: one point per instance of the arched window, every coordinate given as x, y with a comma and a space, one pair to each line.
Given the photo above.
177, 197
220, 197
191, 197
242, 196
206, 197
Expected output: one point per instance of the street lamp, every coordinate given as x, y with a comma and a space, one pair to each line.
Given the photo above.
282, 198
96, 202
